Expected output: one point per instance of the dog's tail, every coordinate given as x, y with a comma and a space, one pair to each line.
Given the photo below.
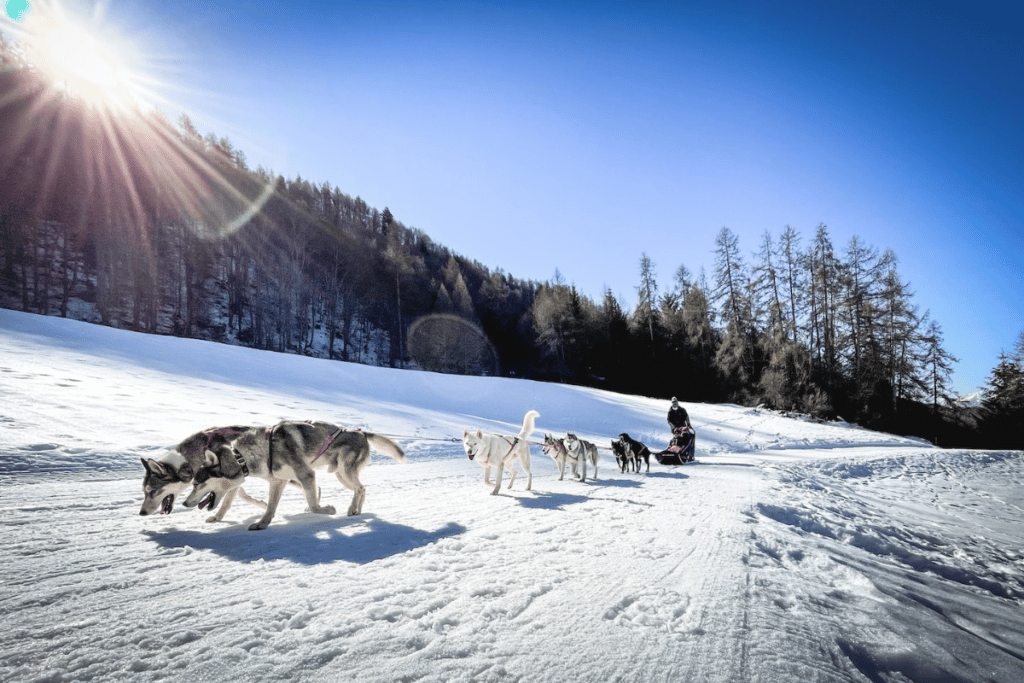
384, 445
528, 421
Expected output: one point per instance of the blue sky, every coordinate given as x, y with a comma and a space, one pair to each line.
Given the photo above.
534, 136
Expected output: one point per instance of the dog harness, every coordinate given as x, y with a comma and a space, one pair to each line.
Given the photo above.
241, 463
323, 449
511, 447
267, 433
557, 445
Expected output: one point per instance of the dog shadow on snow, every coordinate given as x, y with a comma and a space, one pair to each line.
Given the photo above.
309, 539
557, 501
668, 474
549, 501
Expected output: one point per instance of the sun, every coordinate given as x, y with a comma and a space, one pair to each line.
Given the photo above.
86, 65
84, 58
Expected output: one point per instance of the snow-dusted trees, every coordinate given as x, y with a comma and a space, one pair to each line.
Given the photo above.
250, 257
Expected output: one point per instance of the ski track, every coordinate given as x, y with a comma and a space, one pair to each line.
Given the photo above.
687, 573
791, 551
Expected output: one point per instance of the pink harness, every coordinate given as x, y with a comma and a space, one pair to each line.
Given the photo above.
327, 444
323, 449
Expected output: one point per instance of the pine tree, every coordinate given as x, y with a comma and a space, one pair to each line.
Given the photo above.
900, 324
938, 364
1003, 407
735, 355
612, 343
646, 314
822, 271
792, 278
554, 323
860, 330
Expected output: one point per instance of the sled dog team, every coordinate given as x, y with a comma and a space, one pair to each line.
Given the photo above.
217, 461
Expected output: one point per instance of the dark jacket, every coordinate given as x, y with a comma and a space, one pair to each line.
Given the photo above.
677, 418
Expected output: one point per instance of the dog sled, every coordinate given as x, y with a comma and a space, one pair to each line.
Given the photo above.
681, 449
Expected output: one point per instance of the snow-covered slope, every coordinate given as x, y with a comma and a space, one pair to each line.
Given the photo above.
791, 551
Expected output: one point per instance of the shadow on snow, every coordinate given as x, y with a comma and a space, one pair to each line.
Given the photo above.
551, 501
360, 540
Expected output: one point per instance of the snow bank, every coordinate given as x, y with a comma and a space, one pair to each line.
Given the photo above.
791, 551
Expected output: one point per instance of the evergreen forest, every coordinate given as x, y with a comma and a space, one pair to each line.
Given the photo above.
139, 223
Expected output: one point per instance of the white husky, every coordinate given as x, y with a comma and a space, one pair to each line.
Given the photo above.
496, 450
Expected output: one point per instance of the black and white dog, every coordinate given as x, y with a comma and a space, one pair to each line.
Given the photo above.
554, 448
632, 452
291, 451
572, 451
169, 476
580, 451
623, 458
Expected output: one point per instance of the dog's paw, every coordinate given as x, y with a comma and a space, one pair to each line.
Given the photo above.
213, 518
258, 526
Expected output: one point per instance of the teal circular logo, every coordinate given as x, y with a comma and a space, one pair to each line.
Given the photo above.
16, 9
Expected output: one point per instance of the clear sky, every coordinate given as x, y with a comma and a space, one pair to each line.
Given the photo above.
532, 136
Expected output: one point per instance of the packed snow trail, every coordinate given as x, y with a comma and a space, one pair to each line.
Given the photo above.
792, 551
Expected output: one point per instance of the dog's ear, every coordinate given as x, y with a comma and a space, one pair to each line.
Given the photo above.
479, 433
210, 458
157, 468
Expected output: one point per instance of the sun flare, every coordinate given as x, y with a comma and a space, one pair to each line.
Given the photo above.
81, 58
91, 63
83, 110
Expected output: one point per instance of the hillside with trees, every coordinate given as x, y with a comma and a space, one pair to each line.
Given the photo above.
146, 225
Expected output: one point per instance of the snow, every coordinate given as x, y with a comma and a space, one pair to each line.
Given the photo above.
790, 551
974, 399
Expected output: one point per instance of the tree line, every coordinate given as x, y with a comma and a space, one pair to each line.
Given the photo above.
131, 221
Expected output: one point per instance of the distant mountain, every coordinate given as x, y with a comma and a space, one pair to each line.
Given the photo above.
972, 400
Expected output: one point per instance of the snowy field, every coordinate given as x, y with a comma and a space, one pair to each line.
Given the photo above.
790, 551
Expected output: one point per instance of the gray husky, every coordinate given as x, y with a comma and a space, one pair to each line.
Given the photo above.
556, 448
291, 451
168, 477
580, 451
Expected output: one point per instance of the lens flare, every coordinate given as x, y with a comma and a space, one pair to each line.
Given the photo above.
451, 344
80, 111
